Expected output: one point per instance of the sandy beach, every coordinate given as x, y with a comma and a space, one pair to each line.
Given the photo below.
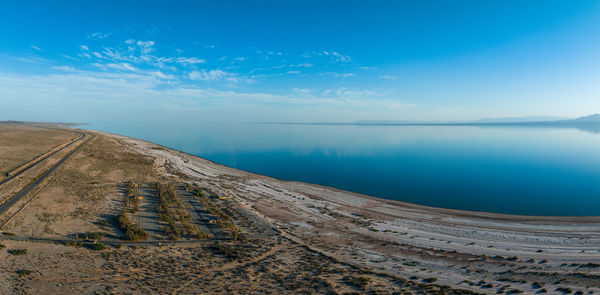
483, 252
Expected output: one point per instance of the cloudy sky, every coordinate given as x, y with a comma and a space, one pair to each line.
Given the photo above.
301, 61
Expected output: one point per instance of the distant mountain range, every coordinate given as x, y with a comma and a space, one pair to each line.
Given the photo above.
539, 120
591, 119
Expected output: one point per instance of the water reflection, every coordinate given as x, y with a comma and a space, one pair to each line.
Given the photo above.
534, 170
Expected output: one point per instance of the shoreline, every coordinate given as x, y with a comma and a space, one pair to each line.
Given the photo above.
492, 216
457, 247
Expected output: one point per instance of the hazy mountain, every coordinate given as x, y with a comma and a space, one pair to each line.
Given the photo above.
591, 119
545, 120
521, 119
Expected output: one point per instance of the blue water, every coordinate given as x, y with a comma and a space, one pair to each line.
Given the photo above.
514, 170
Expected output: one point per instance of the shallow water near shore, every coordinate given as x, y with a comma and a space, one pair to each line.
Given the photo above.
501, 169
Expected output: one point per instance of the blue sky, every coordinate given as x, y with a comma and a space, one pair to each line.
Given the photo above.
193, 61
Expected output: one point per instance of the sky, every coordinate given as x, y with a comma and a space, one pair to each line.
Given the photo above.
128, 62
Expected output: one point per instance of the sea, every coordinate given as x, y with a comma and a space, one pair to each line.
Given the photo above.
525, 170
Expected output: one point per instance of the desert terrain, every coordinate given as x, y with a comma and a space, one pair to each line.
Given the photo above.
87, 212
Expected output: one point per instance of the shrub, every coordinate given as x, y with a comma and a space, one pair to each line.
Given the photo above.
123, 220
133, 234
429, 280
2, 246
537, 285
230, 252
17, 251
200, 235
103, 223
564, 290
24, 272
358, 282
93, 236
96, 246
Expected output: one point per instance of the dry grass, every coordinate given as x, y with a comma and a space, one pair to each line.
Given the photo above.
22, 143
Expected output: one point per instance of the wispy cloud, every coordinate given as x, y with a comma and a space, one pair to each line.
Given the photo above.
388, 77
344, 75
119, 66
98, 35
190, 60
36, 48
64, 68
145, 46
216, 75
139, 69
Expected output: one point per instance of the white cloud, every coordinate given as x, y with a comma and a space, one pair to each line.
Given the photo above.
239, 59
117, 66
293, 72
36, 48
344, 75
190, 60
91, 95
340, 57
336, 56
98, 35
163, 76
216, 75
83, 47
349, 93
388, 77
301, 91
69, 57
64, 68
145, 46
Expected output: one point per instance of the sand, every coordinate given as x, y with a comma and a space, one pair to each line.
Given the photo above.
460, 248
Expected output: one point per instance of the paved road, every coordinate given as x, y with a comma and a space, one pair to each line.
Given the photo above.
36, 162
12, 201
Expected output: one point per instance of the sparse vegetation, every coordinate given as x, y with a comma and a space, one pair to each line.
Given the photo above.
24, 272
17, 252
96, 246
132, 232
537, 285
229, 251
359, 282
564, 290
93, 236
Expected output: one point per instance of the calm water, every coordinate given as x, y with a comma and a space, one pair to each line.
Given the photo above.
515, 170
